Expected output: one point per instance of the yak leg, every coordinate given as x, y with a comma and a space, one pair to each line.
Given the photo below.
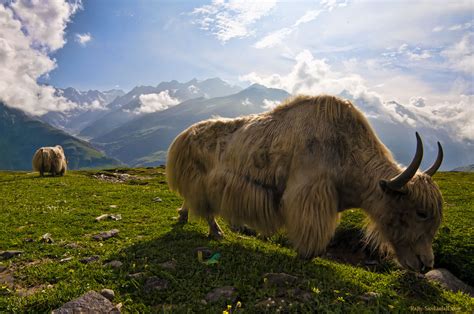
311, 217
215, 231
183, 214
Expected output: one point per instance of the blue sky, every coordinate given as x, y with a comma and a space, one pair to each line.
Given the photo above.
418, 53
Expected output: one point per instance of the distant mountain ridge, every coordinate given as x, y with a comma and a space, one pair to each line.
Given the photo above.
21, 135
125, 108
468, 168
91, 105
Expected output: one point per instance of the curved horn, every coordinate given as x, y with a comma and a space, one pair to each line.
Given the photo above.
432, 170
399, 181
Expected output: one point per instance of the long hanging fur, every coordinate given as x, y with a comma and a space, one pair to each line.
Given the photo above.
50, 159
295, 167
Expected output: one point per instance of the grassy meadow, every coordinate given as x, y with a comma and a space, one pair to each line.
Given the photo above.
46, 275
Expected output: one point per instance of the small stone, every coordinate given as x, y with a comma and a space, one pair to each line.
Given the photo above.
448, 281
203, 301
89, 259
155, 283
9, 254
72, 245
102, 217
227, 293
114, 264
90, 302
369, 296
157, 199
106, 235
169, 265
66, 259
118, 306
108, 293
46, 238
136, 275
28, 240
279, 280
113, 206
116, 217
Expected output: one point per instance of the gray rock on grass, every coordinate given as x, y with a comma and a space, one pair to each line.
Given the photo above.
449, 281
227, 293
9, 254
90, 302
105, 235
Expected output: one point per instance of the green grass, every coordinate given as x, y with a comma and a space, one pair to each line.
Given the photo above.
66, 207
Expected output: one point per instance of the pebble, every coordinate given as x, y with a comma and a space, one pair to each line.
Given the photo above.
66, 259
155, 283
114, 264
9, 254
89, 259
108, 293
227, 293
448, 281
106, 235
157, 199
46, 238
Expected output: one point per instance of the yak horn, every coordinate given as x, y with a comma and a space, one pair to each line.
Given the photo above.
399, 181
432, 170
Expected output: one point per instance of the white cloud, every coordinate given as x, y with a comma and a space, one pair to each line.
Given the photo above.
193, 89
29, 30
246, 102
231, 19
460, 56
93, 106
83, 39
274, 38
308, 17
270, 104
315, 76
155, 102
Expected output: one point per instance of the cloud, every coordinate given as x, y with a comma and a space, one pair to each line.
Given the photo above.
460, 56
156, 102
246, 102
274, 38
29, 31
314, 76
270, 104
231, 19
83, 39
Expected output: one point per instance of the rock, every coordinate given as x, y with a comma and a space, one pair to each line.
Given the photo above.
106, 235
91, 302
299, 294
9, 254
28, 240
89, 259
157, 199
136, 275
108, 216
279, 280
169, 265
72, 245
66, 259
108, 293
369, 296
155, 283
2, 268
449, 281
113, 206
46, 238
114, 264
227, 293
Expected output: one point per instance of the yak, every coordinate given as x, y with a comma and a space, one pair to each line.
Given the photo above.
296, 168
50, 159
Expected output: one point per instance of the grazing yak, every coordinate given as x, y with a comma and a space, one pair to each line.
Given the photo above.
296, 168
50, 159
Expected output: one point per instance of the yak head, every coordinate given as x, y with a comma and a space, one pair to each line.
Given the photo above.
409, 214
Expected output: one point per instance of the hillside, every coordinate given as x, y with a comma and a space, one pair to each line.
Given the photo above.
156, 266
144, 141
21, 135
468, 168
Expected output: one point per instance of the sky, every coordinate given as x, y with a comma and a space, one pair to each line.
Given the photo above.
419, 53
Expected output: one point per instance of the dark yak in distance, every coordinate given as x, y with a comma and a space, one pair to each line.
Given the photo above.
297, 167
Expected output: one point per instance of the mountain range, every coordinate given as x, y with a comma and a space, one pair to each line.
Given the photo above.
136, 128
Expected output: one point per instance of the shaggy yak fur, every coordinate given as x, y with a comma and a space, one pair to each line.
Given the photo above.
50, 159
296, 168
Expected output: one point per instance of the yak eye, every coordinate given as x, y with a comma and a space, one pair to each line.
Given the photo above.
421, 215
